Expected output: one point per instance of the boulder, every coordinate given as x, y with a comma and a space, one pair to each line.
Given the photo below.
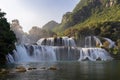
4, 71
32, 68
43, 68
52, 68
20, 69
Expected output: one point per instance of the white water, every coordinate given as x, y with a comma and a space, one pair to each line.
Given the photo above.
94, 54
64, 41
21, 55
33, 53
88, 42
98, 41
10, 58
43, 53
52, 52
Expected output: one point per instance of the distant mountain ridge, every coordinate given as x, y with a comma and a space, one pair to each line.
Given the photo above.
50, 25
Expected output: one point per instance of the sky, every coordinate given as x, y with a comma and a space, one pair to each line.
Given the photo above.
36, 12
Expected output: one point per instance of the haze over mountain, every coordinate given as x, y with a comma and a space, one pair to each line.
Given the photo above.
50, 25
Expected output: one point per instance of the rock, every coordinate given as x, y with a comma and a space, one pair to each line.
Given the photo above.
98, 59
31, 68
52, 68
43, 68
20, 69
4, 71
86, 59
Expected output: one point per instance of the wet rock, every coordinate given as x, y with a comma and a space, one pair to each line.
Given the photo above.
98, 59
4, 71
52, 68
43, 68
20, 69
86, 59
31, 68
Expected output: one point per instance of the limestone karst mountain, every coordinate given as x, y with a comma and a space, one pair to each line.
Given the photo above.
50, 25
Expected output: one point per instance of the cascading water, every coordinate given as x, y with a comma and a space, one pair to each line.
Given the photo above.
10, 58
88, 42
94, 54
97, 41
57, 49
64, 41
32, 53
92, 41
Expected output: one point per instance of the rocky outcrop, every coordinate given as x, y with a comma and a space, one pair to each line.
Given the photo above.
80, 13
20, 34
110, 3
20, 69
66, 17
52, 68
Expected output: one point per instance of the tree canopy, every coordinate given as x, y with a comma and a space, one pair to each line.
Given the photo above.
7, 38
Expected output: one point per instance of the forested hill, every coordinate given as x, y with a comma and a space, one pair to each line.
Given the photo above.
50, 25
89, 12
92, 17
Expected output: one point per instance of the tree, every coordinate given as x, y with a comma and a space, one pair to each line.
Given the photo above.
7, 38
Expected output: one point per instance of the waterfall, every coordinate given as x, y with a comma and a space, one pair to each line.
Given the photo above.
32, 53
97, 41
10, 58
63, 41
43, 53
92, 41
39, 42
88, 41
21, 55
94, 54
59, 49
56, 53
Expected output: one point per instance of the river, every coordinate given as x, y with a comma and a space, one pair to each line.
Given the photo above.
66, 70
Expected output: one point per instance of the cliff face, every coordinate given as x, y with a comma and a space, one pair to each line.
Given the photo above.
84, 10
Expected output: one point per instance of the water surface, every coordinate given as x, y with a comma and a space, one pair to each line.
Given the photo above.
70, 70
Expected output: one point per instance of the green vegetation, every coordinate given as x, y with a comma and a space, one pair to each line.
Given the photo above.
108, 29
7, 38
50, 25
89, 12
93, 17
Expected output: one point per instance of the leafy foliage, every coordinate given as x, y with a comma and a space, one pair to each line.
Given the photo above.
90, 12
94, 17
7, 38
